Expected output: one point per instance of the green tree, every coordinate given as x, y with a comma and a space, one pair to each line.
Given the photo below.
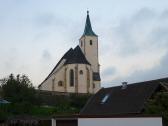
158, 105
18, 89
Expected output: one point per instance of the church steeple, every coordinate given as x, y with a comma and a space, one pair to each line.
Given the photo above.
88, 28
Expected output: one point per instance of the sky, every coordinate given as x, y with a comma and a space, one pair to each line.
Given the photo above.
133, 37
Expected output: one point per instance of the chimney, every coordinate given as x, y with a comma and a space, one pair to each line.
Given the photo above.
124, 85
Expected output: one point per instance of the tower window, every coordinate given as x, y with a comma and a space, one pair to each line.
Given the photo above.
81, 43
71, 77
93, 85
81, 71
60, 83
91, 42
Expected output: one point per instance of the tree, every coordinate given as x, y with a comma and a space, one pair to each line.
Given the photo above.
158, 105
18, 89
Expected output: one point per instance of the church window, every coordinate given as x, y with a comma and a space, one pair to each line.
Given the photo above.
81, 43
91, 42
53, 83
71, 77
81, 71
60, 83
93, 85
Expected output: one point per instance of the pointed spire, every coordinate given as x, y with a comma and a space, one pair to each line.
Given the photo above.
88, 28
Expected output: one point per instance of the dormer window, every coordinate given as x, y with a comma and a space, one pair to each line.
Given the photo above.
91, 42
105, 98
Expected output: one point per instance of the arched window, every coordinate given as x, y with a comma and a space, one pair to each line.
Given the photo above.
90, 42
88, 78
60, 83
53, 84
71, 77
81, 71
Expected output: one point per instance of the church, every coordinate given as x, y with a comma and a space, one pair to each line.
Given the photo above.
78, 71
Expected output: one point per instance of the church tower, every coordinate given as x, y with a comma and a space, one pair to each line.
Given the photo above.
89, 45
78, 70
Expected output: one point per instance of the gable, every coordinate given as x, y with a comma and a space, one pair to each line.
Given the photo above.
72, 56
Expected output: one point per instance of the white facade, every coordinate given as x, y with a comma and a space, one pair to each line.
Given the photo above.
82, 82
113, 121
134, 121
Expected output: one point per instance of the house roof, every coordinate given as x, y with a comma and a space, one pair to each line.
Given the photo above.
88, 28
115, 100
72, 56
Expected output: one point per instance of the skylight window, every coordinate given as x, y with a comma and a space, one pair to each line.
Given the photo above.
105, 99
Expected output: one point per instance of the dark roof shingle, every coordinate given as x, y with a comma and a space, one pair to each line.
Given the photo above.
77, 56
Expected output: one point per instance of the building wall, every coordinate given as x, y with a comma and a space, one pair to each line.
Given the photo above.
82, 85
51, 84
97, 86
83, 82
134, 121
90, 51
82, 79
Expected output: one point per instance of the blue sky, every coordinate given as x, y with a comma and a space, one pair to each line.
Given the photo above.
133, 37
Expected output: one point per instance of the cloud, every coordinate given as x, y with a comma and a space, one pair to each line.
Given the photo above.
46, 55
159, 71
109, 71
49, 19
140, 47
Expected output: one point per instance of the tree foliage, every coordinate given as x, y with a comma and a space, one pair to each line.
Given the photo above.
18, 89
158, 105
26, 100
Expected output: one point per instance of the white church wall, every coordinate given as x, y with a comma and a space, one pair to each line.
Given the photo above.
59, 76
46, 85
134, 121
91, 80
82, 79
51, 84
59, 66
97, 86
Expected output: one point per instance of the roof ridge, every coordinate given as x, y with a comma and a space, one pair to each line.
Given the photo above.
140, 82
64, 56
